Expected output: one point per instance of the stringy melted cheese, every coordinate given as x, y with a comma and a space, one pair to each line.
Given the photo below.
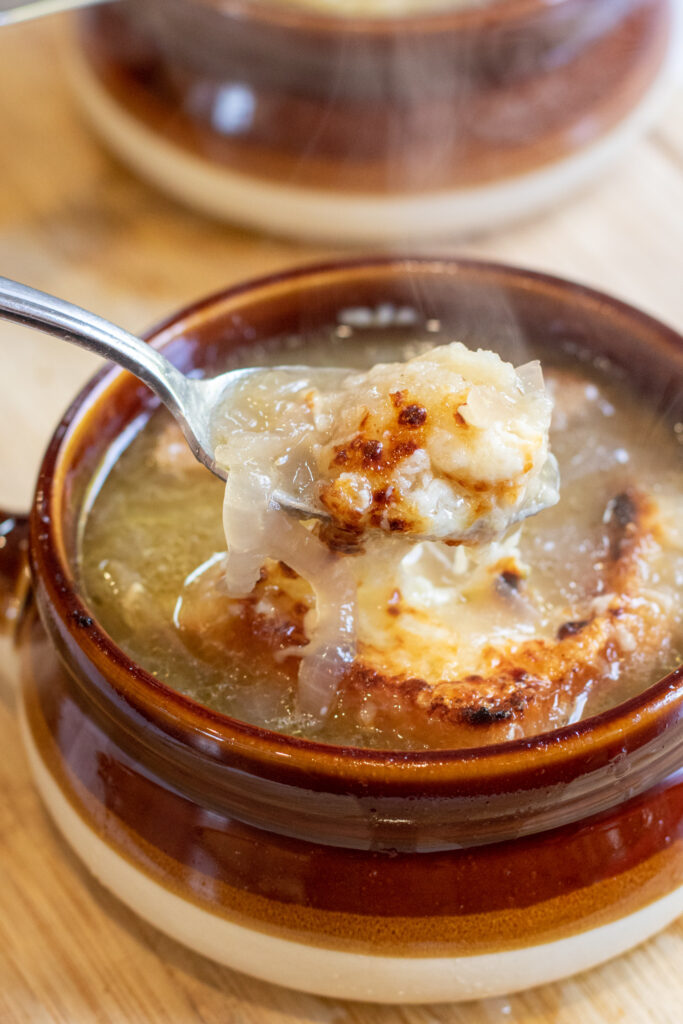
452, 445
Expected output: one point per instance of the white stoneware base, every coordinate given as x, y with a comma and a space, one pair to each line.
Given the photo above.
329, 972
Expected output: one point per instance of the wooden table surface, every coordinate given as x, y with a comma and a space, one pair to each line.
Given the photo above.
74, 222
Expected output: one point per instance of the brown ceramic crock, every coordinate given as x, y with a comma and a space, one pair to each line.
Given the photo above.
435, 112
395, 876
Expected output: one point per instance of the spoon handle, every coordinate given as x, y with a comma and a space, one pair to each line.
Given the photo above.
16, 11
21, 304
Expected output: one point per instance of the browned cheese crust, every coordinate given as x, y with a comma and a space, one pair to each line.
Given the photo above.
386, 438
374, 452
524, 690
532, 687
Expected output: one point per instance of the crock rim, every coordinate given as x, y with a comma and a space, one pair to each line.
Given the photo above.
472, 17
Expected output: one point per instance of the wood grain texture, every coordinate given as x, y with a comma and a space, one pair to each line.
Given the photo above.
74, 222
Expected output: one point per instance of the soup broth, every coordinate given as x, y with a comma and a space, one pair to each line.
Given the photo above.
152, 549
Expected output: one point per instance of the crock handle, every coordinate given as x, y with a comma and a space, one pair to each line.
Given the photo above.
14, 577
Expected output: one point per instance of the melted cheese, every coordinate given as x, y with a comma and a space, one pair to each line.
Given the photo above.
451, 444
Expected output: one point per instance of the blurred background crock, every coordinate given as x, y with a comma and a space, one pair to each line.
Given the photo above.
301, 121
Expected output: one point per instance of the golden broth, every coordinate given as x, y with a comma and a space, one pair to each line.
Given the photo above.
156, 519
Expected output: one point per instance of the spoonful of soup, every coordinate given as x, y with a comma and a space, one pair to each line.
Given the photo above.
451, 445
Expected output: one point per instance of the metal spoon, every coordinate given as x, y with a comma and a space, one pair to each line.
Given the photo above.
191, 401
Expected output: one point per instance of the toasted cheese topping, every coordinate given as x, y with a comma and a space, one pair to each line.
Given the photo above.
456, 646
452, 444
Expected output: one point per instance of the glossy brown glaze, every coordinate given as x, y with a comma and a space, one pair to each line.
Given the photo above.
461, 851
498, 896
13, 568
451, 99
